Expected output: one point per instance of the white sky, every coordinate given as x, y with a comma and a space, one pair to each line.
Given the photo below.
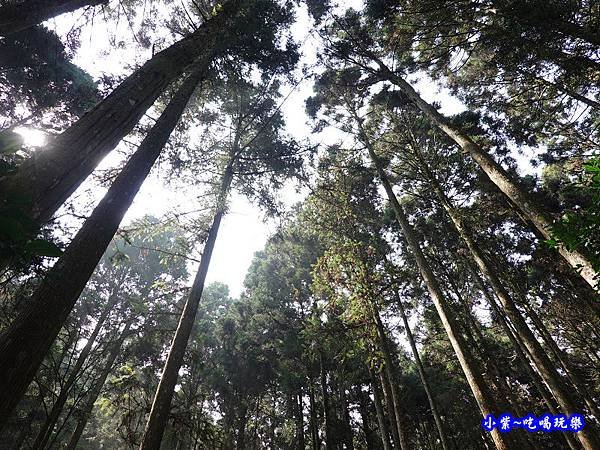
243, 230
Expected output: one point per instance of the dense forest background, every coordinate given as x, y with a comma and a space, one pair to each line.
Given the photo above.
425, 269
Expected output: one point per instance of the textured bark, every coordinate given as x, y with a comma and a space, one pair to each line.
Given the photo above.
467, 361
26, 341
86, 412
46, 430
15, 18
50, 176
383, 428
539, 357
421, 369
161, 405
533, 212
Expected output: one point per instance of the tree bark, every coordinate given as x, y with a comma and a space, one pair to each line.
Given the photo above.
161, 406
86, 413
432, 404
539, 357
469, 364
15, 18
50, 176
538, 217
26, 341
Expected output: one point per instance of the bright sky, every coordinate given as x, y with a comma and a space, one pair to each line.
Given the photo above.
243, 231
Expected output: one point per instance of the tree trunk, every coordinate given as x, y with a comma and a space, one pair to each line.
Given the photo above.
299, 407
329, 444
389, 404
539, 357
365, 413
46, 431
521, 351
314, 429
50, 176
383, 428
161, 406
469, 364
15, 18
86, 412
348, 432
424, 381
538, 217
560, 357
26, 341
394, 406
240, 440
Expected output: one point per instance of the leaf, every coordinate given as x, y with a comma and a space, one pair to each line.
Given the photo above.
42, 247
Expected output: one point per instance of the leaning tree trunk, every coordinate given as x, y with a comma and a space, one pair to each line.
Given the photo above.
24, 344
560, 357
46, 430
538, 217
468, 363
15, 18
539, 357
161, 405
86, 413
50, 176
432, 404
521, 352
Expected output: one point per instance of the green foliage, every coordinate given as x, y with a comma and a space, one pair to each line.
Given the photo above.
580, 229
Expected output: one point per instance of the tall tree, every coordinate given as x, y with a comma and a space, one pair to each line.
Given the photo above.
48, 178
354, 50
24, 344
254, 146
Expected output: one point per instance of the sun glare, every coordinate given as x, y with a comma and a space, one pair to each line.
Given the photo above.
32, 137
